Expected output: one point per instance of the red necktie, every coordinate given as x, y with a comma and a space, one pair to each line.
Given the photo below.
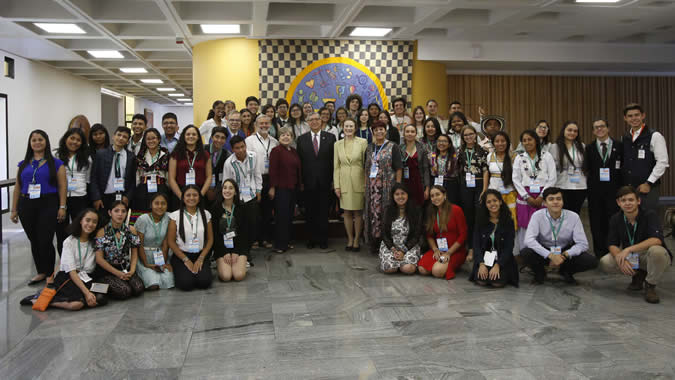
316, 146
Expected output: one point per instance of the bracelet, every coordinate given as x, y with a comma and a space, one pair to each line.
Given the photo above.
185, 258
63, 207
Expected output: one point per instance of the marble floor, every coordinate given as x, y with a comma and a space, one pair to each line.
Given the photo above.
332, 315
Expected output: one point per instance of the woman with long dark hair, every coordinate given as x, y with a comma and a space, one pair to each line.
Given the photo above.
152, 165
418, 121
500, 166
190, 238
543, 131
73, 151
230, 248
568, 153
494, 239
247, 121
39, 200
432, 129
444, 168
296, 121
456, 123
416, 174
363, 126
153, 252
374, 111
98, 138
269, 111
400, 247
189, 165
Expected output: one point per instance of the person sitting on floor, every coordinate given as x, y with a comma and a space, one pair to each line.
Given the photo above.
400, 249
644, 255
556, 237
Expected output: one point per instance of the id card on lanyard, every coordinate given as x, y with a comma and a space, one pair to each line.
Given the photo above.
633, 257
470, 177
152, 183
191, 176
249, 181
555, 249
72, 181
34, 188
376, 155
193, 242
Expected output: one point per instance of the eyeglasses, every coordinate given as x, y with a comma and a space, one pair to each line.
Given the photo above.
469, 134
234, 120
542, 127
599, 126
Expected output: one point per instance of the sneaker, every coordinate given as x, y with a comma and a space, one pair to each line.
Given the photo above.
638, 279
650, 293
248, 264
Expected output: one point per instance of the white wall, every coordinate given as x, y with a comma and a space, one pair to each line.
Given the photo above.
41, 97
184, 113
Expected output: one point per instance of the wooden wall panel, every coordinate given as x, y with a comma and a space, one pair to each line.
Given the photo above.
523, 100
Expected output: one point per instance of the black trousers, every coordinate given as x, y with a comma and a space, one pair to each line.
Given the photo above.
75, 206
601, 207
317, 206
284, 207
469, 198
186, 280
264, 221
141, 201
576, 264
574, 199
38, 218
451, 186
250, 212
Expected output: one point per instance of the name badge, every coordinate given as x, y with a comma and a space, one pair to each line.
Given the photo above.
373, 171
641, 154
230, 235
193, 245
442, 244
575, 176
118, 184
406, 172
634, 260
604, 174
535, 187
470, 180
191, 177
158, 256
229, 242
152, 184
213, 180
83, 276
97, 287
489, 258
617, 165
438, 180
556, 250
72, 183
252, 191
34, 190
267, 163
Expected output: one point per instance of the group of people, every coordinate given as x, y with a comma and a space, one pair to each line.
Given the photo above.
153, 210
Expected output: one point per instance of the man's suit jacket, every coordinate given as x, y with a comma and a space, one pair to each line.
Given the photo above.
317, 170
100, 173
593, 163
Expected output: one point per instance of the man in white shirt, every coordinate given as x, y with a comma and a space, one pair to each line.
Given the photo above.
246, 169
456, 106
432, 111
138, 125
262, 144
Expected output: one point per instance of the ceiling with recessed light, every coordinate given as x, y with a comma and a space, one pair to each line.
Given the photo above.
158, 35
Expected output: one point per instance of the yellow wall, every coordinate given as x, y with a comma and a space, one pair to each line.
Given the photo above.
429, 81
225, 69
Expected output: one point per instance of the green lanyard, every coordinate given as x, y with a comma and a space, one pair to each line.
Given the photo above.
533, 164
456, 139
72, 166
405, 155
553, 230
229, 218
35, 169
157, 227
236, 170
192, 163
469, 157
119, 243
492, 237
631, 237
438, 221
609, 148
79, 252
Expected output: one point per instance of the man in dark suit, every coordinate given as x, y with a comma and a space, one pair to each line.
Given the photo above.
603, 159
113, 176
315, 149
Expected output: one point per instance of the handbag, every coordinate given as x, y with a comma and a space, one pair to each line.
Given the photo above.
46, 297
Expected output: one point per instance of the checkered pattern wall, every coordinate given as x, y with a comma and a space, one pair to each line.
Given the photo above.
282, 60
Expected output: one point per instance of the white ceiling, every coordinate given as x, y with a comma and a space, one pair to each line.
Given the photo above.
146, 31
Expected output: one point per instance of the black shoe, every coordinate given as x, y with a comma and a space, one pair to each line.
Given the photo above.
28, 300
348, 248
356, 249
323, 246
310, 245
569, 278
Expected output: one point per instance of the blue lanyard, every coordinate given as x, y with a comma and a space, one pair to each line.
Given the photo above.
35, 168
377, 151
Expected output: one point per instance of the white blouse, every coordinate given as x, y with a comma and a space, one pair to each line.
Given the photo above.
495, 166
77, 179
193, 227
524, 175
569, 178
82, 259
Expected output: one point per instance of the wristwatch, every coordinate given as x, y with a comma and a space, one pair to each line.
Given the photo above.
185, 258
63, 207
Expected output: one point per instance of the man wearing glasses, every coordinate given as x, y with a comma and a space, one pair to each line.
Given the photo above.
170, 126
603, 167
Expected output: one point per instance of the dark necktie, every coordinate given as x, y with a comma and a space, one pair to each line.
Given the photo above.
118, 170
604, 150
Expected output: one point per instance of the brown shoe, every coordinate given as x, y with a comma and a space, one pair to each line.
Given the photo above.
650, 293
638, 279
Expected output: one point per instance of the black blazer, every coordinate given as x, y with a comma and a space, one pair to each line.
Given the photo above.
218, 169
100, 173
317, 171
505, 236
593, 163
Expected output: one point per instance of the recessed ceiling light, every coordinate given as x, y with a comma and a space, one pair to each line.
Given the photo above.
166, 89
105, 53
187, 104
110, 92
153, 81
177, 95
597, 1
370, 32
184, 100
133, 70
220, 28
60, 28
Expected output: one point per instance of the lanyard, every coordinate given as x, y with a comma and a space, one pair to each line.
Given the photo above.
455, 139
574, 156
79, 251
609, 148
496, 161
118, 169
533, 164
72, 165
119, 243
469, 157
631, 237
191, 163
429, 145
214, 158
36, 167
154, 158
192, 225
441, 162
236, 169
367, 137
406, 155
229, 218
377, 151
157, 227
269, 142
438, 221
553, 230
492, 237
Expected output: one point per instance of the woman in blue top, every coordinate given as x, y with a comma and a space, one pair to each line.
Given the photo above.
153, 267
39, 200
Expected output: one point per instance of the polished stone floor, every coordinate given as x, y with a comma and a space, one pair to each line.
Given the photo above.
332, 315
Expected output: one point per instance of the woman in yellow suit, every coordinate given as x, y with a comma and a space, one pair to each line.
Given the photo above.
349, 181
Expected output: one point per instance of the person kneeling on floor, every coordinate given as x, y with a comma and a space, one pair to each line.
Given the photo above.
644, 255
